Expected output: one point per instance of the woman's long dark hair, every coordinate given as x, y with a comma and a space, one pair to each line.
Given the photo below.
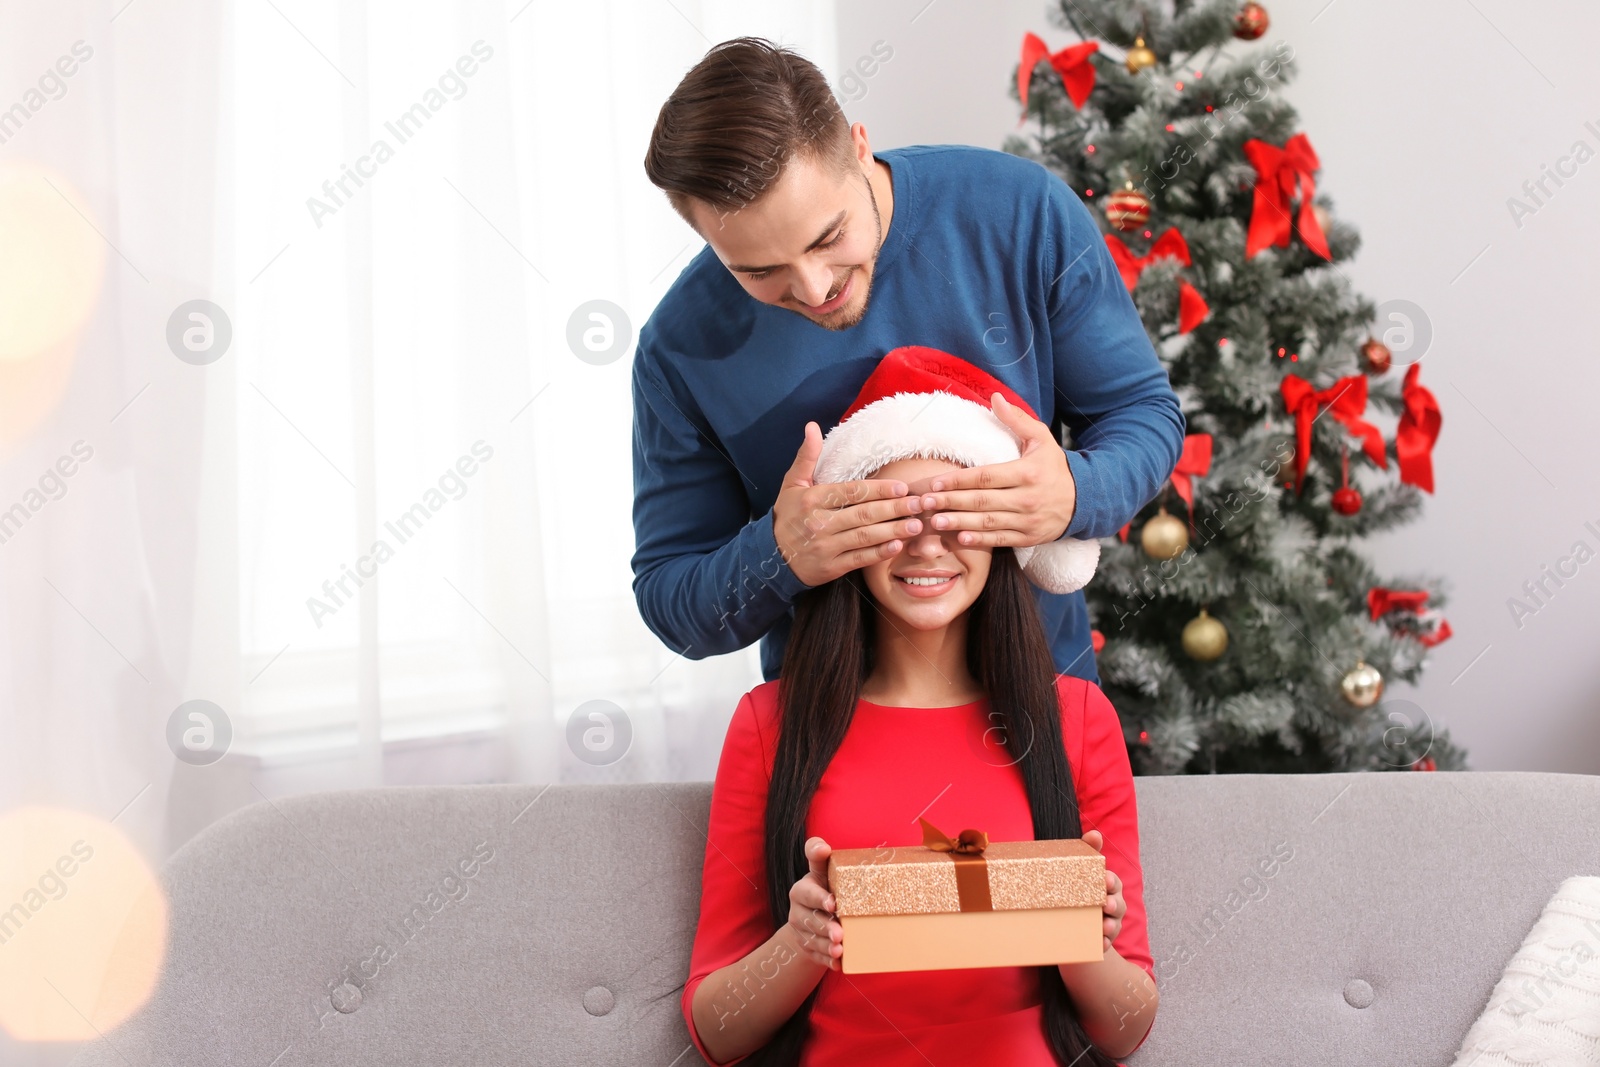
827, 659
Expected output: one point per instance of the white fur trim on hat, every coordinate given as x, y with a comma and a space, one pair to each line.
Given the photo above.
1061, 566
944, 426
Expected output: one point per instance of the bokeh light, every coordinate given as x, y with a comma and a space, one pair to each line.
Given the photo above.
51, 261
52, 264
83, 926
30, 389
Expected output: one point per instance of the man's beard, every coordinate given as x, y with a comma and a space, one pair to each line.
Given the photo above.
866, 297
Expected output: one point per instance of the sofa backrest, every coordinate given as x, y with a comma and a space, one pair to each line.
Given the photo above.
1333, 919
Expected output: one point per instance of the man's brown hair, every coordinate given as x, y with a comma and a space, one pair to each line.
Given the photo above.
737, 119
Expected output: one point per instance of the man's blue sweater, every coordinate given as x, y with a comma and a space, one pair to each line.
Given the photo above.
989, 257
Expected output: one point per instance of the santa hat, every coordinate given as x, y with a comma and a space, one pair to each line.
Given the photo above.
921, 403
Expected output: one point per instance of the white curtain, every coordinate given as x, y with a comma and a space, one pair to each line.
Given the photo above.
290, 421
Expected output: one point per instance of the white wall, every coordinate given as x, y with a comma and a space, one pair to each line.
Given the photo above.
1427, 118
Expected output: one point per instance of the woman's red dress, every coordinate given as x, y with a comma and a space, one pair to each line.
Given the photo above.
949, 766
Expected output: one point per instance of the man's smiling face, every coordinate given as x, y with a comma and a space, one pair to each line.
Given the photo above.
809, 243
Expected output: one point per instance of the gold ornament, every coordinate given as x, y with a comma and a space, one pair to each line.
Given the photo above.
1363, 685
1139, 57
1204, 638
1164, 536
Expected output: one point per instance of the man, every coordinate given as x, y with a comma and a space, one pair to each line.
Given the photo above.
820, 257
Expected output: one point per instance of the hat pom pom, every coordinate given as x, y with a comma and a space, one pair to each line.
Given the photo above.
1061, 566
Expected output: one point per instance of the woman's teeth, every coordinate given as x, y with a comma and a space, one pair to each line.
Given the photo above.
926, 581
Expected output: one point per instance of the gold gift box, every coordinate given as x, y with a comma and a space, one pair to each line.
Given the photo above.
968, 903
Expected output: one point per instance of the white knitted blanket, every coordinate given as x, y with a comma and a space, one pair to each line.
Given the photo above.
1545, 1009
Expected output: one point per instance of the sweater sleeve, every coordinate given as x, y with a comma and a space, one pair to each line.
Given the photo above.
1107, 802
734, 919
707, 578
1111, 389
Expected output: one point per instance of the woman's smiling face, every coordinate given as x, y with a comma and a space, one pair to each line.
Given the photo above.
944, 577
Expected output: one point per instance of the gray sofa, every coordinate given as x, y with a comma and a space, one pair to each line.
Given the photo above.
519, 925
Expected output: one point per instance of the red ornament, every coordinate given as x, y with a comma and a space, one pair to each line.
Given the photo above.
1251, 22
1377, 355
1127, 208
1346, 501
1425, 764
1098, 640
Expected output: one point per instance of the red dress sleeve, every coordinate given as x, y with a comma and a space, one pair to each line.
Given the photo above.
734, 919
1103, 778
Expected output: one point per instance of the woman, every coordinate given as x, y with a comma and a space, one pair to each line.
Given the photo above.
918, 686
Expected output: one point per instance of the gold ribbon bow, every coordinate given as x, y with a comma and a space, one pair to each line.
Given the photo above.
972, 870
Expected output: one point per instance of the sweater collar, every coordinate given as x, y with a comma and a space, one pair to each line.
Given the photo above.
903, 225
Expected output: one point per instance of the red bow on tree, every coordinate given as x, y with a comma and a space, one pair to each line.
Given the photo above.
1193, 463
1072, 63
1192, 307
1278, 170
1347, 399
1418, 430
1380, 601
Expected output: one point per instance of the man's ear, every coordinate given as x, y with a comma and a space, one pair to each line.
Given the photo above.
863, 147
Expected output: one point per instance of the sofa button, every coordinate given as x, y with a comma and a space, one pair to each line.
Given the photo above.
346, 998
1357, 993
598, 1001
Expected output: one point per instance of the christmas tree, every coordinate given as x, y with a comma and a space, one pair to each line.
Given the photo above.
1238, 627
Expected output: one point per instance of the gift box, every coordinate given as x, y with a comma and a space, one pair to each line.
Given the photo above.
968, 902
